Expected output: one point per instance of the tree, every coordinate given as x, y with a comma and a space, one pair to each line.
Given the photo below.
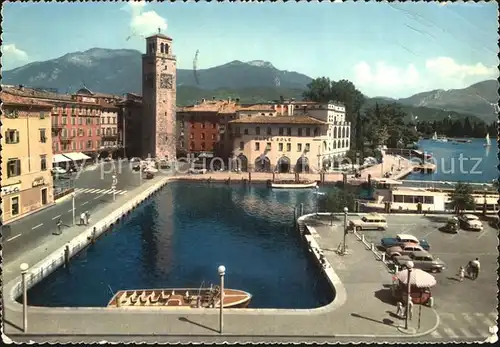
337, 199
461, 198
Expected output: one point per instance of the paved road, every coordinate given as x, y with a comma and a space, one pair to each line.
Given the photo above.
93, 187
467, 309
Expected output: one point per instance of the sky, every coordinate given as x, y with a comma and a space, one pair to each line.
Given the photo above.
393, 50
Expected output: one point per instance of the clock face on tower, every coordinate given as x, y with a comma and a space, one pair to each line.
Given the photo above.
166, 81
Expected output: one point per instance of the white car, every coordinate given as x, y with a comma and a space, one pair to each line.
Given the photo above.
57, 170
470, 222
197, 171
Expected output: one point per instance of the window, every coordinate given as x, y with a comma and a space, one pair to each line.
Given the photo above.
268, 146
280, 147
191, 136
316, 132
202, 136
80, 120
288, 131
89, 132
288, 147
307, 147
221, 137
43, 138
73, 145
81, 144
203, 125
191, 146
237, 130
257, 131
242, 145
88, 121
43, 162
98, 132
12, 136
245, 131
398, 198
428, 199
280, 131
192, 125
73, 120
13, 167
213, 136
80, 132
109, 120
269, 131
300, 131
203, 146
214, 126
299, 147
257, 146
97, 144
64, 120
89, 144
308, 131
15, 205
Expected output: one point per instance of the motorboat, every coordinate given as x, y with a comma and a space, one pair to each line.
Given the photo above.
292, 184
207, 297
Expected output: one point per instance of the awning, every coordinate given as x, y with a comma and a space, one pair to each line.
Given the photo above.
75, 156
418, 278
59, 158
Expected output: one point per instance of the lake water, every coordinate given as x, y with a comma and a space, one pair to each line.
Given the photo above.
181, 236
479, 163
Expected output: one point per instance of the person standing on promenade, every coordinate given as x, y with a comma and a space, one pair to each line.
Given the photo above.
475, 268
410, 309
87, 217
59, 226
399, 311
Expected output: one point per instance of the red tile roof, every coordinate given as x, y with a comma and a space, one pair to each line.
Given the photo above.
9, 99
215, 106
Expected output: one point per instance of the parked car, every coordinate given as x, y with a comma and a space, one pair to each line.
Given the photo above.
470, 222
422, 260
372, 221
451, 226
403, 249
197, 171
400, 239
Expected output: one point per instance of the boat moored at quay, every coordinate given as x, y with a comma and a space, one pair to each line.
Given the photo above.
180, 297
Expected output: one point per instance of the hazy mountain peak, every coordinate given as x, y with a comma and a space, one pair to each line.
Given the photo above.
260, 63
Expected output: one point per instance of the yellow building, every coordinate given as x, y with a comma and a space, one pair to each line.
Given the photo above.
279, 143
27, 184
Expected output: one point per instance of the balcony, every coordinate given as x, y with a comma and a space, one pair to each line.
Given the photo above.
109, 137
66, 138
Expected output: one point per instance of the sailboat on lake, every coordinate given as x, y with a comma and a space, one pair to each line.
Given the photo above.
488, 141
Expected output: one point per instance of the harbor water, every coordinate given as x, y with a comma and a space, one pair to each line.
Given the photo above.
180, 237
479, 164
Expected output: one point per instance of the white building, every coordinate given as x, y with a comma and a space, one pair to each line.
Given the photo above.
337, 141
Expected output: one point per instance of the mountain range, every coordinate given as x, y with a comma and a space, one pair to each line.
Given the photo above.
118, 71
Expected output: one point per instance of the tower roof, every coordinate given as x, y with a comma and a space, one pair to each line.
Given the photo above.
160, 36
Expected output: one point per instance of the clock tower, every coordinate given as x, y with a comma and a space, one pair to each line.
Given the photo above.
159, 98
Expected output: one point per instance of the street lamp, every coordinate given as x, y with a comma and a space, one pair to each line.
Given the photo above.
317, 199
113, 187
345, 229
409, 265
222, 271
73, 196
24, 271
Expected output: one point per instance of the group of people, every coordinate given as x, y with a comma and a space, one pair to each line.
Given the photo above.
84, 218
472, 270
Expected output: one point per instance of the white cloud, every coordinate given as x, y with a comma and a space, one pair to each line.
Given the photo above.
13, 54
144, 22
437, 73
385, 76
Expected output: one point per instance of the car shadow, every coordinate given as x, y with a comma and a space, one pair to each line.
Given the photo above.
437, 219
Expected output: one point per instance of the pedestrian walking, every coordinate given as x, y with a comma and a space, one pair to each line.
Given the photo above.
399, 311
82, 218
461, 274
59, 226
410, 308
475, 268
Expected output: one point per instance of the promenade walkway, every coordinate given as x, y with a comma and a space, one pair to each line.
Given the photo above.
362, 316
